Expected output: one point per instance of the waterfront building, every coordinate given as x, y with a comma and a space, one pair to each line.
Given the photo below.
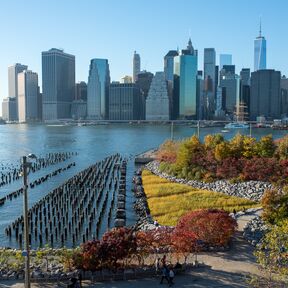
98, 89
136, 66
185, 67
260, 52
209, 80
79, 109
284, 97
265, 97
81, 91
126, 79
201, 97
13, 82
144, 79
169, 64
157, 102
124, 101
58, 84
224, 59
230, 84
245, 87
28, 98
220, 104
9, 112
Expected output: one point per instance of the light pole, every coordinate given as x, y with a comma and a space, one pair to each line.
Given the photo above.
26, 253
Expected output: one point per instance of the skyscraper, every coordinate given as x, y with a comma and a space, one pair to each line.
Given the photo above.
13, 82
124, 101
210, 79
98, 89
265, 97
169, 64
81, 91
259, 52
136, 66
157, 102
9, 112
58, 84
28, 96
224, 59
185, 68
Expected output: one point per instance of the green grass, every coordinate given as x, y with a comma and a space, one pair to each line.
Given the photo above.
168, 201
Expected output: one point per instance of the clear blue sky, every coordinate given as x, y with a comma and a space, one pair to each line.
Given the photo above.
113, 29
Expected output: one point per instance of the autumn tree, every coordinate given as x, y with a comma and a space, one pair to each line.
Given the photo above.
275, 205
168, 152
265, 147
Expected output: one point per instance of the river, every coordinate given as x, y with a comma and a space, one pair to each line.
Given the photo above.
92, 143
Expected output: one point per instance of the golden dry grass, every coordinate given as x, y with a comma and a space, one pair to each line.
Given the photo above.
168, 201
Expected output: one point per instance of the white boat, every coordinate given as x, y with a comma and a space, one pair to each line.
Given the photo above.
237, 125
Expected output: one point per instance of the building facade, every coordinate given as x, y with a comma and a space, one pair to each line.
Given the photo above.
224, 59
185, 67
58, 84
136, 66
81, 91
9, 112
265, 97
13, 81
98, 89
260, 52
124, 101
157, 102
28, 96
210, 80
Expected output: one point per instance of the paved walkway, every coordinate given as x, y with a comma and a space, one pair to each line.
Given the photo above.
221, 269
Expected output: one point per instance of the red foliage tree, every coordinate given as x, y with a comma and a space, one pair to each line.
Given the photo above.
229, 168
262, 169
212, 227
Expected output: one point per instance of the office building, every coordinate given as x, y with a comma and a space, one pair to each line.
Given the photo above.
284, 97
245, 88
265, 95
157, 102
224, 59
260, 52
185, 67
209, 80
9, 112
98, 89
58, 84
124, 102
81, 91
79, 109
136, 66
169, 64
28, 96
13, 82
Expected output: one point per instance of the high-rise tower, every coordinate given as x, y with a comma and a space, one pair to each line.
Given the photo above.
260, 51
58, 84
136, 66
98, 89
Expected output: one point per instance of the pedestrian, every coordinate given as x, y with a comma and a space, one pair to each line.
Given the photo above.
163, 260
171, 275
157, 265
80, 279
165, 274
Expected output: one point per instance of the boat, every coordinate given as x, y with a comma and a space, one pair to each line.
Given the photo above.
237, 125
224, 130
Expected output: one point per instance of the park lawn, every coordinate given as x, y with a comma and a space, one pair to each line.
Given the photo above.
168, 201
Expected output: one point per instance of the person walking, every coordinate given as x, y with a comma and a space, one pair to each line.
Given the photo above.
165, 275
171, 276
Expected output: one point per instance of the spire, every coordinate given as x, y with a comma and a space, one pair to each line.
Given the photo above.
260, 28
190, 46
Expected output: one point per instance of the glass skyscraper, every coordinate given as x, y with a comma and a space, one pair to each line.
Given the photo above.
98, 89
186, 68
259, 52
58, 83
224, 59
136, 66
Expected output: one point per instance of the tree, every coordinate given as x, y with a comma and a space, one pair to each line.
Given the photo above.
249, 145
222, 151
213, 227
265, 147
282, 148
275, 205
211, 140
272, 255
168, 152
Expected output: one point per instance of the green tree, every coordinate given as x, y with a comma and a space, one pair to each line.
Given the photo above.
265, 147
249, 146
222, 151
282, 148
210, 141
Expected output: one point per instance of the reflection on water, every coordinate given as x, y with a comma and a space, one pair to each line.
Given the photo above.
92, 143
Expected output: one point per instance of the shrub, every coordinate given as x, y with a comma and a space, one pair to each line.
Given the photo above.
213, 227
282, 148
229, 168
275, 205
168, 152
265, 147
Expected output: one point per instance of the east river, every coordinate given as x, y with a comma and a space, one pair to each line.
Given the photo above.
92, 144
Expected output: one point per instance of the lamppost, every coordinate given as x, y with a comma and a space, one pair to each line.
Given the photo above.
25, 170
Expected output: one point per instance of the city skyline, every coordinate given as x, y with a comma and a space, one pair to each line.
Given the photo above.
152, 44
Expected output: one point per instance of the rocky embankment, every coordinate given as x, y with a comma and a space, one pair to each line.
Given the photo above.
254, 230
252, 190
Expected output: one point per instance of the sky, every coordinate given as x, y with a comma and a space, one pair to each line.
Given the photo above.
113, 29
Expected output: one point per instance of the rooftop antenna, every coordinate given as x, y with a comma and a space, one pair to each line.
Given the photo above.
260, 27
